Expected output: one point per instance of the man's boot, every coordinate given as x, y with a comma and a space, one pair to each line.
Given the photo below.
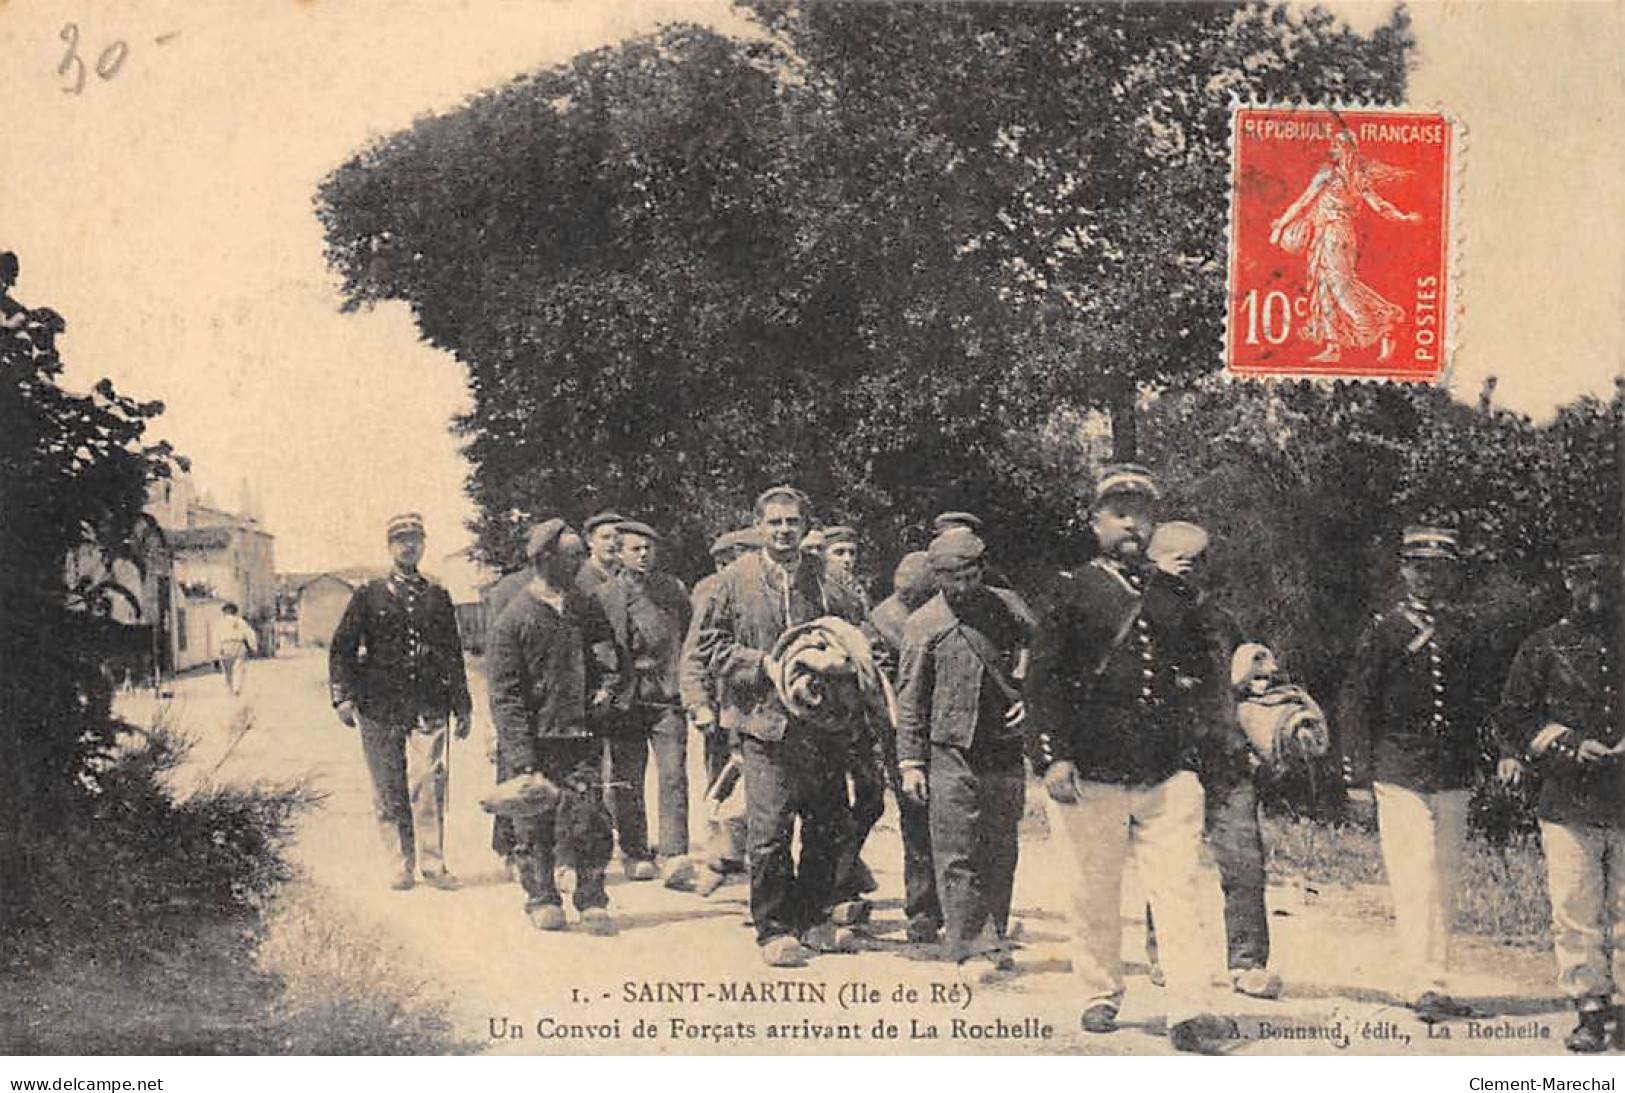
1591, 1034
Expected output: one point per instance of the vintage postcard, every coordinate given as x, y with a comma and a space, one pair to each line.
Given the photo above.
689, 528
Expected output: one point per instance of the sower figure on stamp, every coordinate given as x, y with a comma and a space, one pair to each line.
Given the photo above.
1113, 723
912, 586
793, 769
1560, 713
648, 612
853, 879
959, 741
726, 838
547, 690
1176, 587
396, 670
1410, 714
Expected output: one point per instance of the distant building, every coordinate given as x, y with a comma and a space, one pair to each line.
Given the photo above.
320, 604
220, 557
132, 587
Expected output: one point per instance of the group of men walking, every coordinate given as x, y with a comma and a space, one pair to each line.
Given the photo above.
1133, 697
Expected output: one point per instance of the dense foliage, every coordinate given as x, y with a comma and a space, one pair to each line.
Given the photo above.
869, 250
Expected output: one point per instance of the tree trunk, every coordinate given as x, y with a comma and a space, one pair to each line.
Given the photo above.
1125, 424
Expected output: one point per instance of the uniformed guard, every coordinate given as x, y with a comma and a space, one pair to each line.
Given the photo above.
1113, 717
1560, 713
1411, 708
959, 740
648, 611
396, 670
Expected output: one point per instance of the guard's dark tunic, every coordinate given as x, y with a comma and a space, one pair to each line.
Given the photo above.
396, 653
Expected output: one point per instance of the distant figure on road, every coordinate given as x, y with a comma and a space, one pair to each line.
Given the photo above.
232, 647
396, 670
548, 690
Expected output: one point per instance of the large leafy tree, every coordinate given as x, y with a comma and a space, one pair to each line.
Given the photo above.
870, 251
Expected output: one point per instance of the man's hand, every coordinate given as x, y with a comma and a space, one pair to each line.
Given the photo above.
346, 712
465, 721
601, 697
1060, 782
1509, 771
703, 718
914, 784
1015, 715
1594, 751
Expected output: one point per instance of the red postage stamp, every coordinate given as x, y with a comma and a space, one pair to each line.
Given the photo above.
1339, 243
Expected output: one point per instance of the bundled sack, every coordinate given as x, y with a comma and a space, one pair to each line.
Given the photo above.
522, 795
824, 673
1281, 721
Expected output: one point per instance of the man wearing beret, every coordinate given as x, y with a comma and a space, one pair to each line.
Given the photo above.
1411, 707
396, 670
548, 692
726, 841
793, 769
1560, 712
1114, 716
959, 743
912, 586
603, 563
648, 612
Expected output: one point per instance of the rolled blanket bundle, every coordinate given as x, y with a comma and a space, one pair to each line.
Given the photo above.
824, 672
1284, 725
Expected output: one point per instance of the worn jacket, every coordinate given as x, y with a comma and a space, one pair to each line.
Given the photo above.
1417, 696
694, 684
396, 652
542, 673
952, 681
649, 618
1118, 683
1568, 674
749, 607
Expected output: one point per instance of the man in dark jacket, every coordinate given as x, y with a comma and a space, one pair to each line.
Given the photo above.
1411, 711
648, 612
1560, 711
548, 691
912, 586
793, 769
1117, 697
959, 744
395, 666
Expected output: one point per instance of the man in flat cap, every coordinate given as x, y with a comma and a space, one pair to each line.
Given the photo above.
1560, 713
793, 769
1411, 710
648, 611
548, 695
726, 841
1114, 716
959, 739
395, 666
603, 562
912, 586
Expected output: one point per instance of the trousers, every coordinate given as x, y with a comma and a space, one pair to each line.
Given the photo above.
1162, 825
726, 835
646, 729
1585, 871
576, 826
867, 804
407, 763
974, 802
1422, 836
801, 777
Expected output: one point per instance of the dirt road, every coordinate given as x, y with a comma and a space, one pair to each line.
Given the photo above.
687, 968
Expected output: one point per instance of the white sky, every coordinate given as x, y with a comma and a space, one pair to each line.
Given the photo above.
167, 214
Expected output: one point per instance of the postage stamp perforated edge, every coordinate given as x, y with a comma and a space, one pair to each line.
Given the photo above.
1453, 189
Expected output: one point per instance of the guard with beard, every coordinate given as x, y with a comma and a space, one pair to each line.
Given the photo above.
1560, 713
1113, 722
959, 743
